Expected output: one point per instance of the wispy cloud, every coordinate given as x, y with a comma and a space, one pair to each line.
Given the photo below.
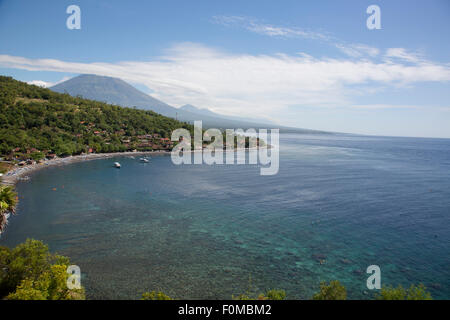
384, 106
358, 50
247, 84
403, 54
253, 25
355, 50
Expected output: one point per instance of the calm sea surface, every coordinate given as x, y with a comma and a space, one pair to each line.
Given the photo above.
338, 204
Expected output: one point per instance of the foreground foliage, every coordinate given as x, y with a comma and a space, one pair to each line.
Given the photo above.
31, 272
155, 296
333, 291
269, 295
412, 293
8, 201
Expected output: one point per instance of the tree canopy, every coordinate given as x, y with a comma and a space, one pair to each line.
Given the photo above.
36, 121
414, 292
8, 200
333, 291
31, 272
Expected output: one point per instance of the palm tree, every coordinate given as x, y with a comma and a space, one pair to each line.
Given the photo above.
8, 201
9, 198
3, 221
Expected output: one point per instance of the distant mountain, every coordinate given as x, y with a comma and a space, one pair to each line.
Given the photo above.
191, 108
117, 91
206, 112
114, 91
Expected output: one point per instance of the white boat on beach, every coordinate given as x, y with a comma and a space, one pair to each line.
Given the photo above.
117, 165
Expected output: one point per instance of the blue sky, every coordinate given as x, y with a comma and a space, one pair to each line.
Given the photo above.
310, 64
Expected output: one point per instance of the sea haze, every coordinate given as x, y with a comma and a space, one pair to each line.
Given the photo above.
338, 204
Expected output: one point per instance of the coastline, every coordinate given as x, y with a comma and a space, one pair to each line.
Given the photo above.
18, 173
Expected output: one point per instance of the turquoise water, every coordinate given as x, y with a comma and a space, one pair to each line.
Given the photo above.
213, 231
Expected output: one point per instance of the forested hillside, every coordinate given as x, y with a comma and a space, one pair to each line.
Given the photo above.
38, 122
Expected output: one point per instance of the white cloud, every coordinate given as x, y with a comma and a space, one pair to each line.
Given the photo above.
40, 83
46, 84
247, 85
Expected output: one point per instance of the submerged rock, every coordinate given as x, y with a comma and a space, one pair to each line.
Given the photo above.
319, 256
345, 261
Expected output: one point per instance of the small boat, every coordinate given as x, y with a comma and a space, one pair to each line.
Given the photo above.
117, 165
144, 160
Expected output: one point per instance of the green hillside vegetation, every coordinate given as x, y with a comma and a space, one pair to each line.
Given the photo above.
36, 122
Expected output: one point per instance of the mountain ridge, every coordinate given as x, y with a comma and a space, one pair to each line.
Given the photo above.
116, 91
207, 112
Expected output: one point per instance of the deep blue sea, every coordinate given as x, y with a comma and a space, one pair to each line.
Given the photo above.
338, 204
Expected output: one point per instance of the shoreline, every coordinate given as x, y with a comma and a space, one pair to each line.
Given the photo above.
20, 173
